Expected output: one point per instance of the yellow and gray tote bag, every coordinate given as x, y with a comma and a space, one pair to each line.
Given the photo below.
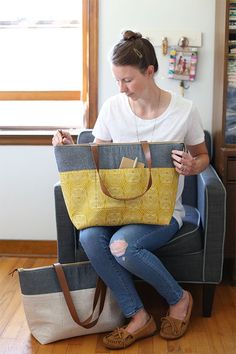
98, 192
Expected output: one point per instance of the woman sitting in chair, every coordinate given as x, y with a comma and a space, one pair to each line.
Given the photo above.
143, 111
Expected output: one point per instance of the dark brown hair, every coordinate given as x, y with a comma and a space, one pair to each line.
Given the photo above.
134, 50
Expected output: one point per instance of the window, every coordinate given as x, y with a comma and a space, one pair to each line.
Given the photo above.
49, 54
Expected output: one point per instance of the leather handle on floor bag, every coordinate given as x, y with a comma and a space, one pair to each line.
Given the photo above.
147, 154
99, 298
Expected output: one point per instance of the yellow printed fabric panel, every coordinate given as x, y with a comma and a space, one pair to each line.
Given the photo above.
88, 206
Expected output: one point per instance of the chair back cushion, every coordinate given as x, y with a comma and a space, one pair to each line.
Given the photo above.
85, 136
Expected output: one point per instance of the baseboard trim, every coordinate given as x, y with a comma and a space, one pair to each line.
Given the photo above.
28, 248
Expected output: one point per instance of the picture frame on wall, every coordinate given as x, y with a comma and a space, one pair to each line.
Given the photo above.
183, 64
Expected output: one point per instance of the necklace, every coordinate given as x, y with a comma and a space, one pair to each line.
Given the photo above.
139, 138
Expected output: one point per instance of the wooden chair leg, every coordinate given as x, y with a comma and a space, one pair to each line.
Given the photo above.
208, 292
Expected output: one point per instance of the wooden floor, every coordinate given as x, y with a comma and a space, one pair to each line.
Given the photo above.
215, 335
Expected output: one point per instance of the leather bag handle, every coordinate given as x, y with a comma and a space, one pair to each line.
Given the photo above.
148, 159
99, 297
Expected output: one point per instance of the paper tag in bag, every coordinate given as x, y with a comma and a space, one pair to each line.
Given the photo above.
129, 163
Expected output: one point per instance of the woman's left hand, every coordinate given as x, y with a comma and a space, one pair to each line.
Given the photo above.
184, 163
191, 162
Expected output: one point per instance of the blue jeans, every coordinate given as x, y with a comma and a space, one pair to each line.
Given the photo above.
117, 253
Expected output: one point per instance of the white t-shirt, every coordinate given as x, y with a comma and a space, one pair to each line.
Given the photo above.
180, 122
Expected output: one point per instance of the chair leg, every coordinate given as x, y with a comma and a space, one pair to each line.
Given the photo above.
208, 292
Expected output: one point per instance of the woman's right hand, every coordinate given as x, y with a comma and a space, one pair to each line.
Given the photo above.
62, 137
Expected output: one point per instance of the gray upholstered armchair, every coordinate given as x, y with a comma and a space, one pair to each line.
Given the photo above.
195, 254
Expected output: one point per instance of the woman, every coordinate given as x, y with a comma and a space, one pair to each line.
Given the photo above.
143, 111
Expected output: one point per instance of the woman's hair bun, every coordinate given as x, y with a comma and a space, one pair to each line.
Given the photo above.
129, 35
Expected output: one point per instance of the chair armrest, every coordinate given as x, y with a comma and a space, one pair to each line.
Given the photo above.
65, 229
212, 207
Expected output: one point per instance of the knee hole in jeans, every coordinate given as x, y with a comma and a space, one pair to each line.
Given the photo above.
118, 248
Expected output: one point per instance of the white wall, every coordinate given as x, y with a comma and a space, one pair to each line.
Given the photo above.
27, 176
177, 15
28, 173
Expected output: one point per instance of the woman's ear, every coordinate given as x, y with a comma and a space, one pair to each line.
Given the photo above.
150, 70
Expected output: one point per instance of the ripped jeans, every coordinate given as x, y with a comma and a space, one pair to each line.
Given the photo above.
118, 252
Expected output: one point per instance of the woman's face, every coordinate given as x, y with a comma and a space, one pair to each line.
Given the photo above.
131, 81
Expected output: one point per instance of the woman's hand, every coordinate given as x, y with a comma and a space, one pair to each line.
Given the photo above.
192, 162
62, 137
184, 163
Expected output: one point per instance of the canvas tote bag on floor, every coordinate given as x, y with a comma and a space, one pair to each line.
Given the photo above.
97, 192
69, 300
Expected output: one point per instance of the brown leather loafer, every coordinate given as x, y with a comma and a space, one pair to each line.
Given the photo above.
120, 338
172, 328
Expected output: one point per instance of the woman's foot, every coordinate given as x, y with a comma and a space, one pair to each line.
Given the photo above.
142, 325
176, 322
180, 309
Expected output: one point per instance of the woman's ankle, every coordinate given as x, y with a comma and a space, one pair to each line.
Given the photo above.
179, 310
138, 321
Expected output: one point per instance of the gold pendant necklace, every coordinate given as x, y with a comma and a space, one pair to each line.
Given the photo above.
154, 125
137, 130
